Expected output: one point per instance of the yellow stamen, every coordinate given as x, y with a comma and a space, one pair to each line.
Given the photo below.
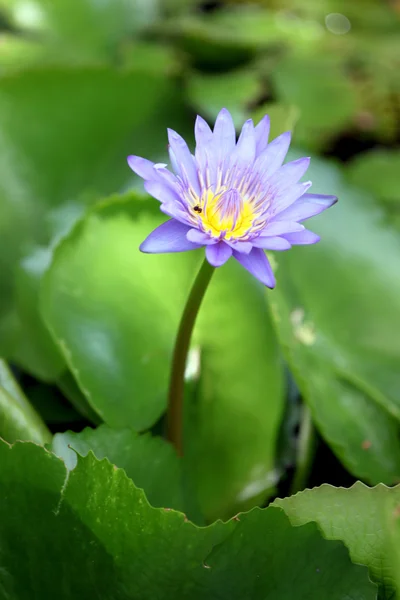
216, 222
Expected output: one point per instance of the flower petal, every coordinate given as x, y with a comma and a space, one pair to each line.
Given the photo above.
305, 207
280, 227
200, 237
174, 210
284, 197
224, 137
182, 160
202, 131
244, 247
168, 237
291, 172
142, 167
269, 161
203, 136
165, 176
302, 238
162, 192
245, 150
261, 134
258, 265
271, 243
218, 254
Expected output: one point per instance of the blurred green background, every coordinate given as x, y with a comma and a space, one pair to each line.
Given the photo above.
84, 83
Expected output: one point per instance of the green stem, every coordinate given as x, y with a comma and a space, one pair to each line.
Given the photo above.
305, 451
181, 349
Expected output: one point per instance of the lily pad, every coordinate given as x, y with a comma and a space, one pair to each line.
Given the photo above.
337, 314
125, 549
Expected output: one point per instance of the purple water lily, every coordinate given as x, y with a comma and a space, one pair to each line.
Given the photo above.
234, 198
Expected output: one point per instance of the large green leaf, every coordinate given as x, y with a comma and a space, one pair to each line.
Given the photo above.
338, 316
65, 135
237, 415
18, 418
17, 52
228, 37
149, 461
283, 118
125, 549
363, 518
235, 90
115, 312
377, 172
36, 352
108, 308
83, 29
316, 85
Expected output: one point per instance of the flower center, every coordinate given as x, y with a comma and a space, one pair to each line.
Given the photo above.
225, 214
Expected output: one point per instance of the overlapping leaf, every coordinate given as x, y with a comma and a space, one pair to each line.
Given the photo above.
149, 461
123, 548
18, 418
65, 135
115, 312
365, 519
337, 312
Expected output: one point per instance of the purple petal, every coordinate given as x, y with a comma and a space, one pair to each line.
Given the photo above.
200, 237
224, 137
244, 247
261, 134
305, 207
280, 227
286, 196
162, 192
183, 160
218, 254
271, 243
165, 176
168, 237
290, 173
272, 158
302, 238
258, 265
245, 150
142, 167
204, 136
174, 210
202, 132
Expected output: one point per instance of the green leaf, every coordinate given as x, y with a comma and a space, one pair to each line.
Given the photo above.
65, 135
84, 29
377, 172
393, 524
283, 118
361, 517
234, 90
149, 461
337, 314
125, 549
288, 563
237, 414
17, 52
115, 313
36, 352
70, 389
229, 37
104, 304
316, 85
18, 418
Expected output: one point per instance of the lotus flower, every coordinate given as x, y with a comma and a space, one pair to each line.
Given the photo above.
235, 198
